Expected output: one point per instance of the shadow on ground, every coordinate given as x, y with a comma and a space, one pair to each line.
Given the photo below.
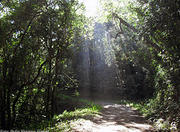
114, 118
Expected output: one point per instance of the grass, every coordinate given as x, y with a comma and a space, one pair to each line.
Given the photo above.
78, 113
80, 108
63, 121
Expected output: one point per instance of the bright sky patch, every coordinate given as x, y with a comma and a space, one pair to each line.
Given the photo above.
91, 7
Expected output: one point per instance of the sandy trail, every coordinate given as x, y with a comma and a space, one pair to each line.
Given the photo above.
113, 118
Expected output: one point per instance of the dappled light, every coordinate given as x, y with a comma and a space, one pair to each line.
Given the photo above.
90, 65
114, 117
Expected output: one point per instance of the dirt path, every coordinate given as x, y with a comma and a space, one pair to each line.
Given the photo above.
114, 118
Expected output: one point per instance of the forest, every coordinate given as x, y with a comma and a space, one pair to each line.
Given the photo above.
57, 62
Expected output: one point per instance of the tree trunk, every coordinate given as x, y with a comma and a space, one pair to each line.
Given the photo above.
3, 97
52, 102
49, 90
3, 108
9, 108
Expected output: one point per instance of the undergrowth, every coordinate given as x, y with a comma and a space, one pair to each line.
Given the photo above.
62, 122
150, 111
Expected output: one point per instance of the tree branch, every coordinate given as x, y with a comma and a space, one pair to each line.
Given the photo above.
24, 33
125, 23
155, 46
21, 88
147, 41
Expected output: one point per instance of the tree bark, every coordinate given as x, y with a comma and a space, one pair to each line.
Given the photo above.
3, 97
3, 108
9, 108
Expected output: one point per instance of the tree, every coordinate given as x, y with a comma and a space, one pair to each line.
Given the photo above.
36, 42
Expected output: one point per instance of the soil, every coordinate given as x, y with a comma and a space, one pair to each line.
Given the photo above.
113, 118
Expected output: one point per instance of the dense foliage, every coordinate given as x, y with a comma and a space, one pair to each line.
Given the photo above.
148, 53
133, 58
160, 30
47, 51
36, 43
